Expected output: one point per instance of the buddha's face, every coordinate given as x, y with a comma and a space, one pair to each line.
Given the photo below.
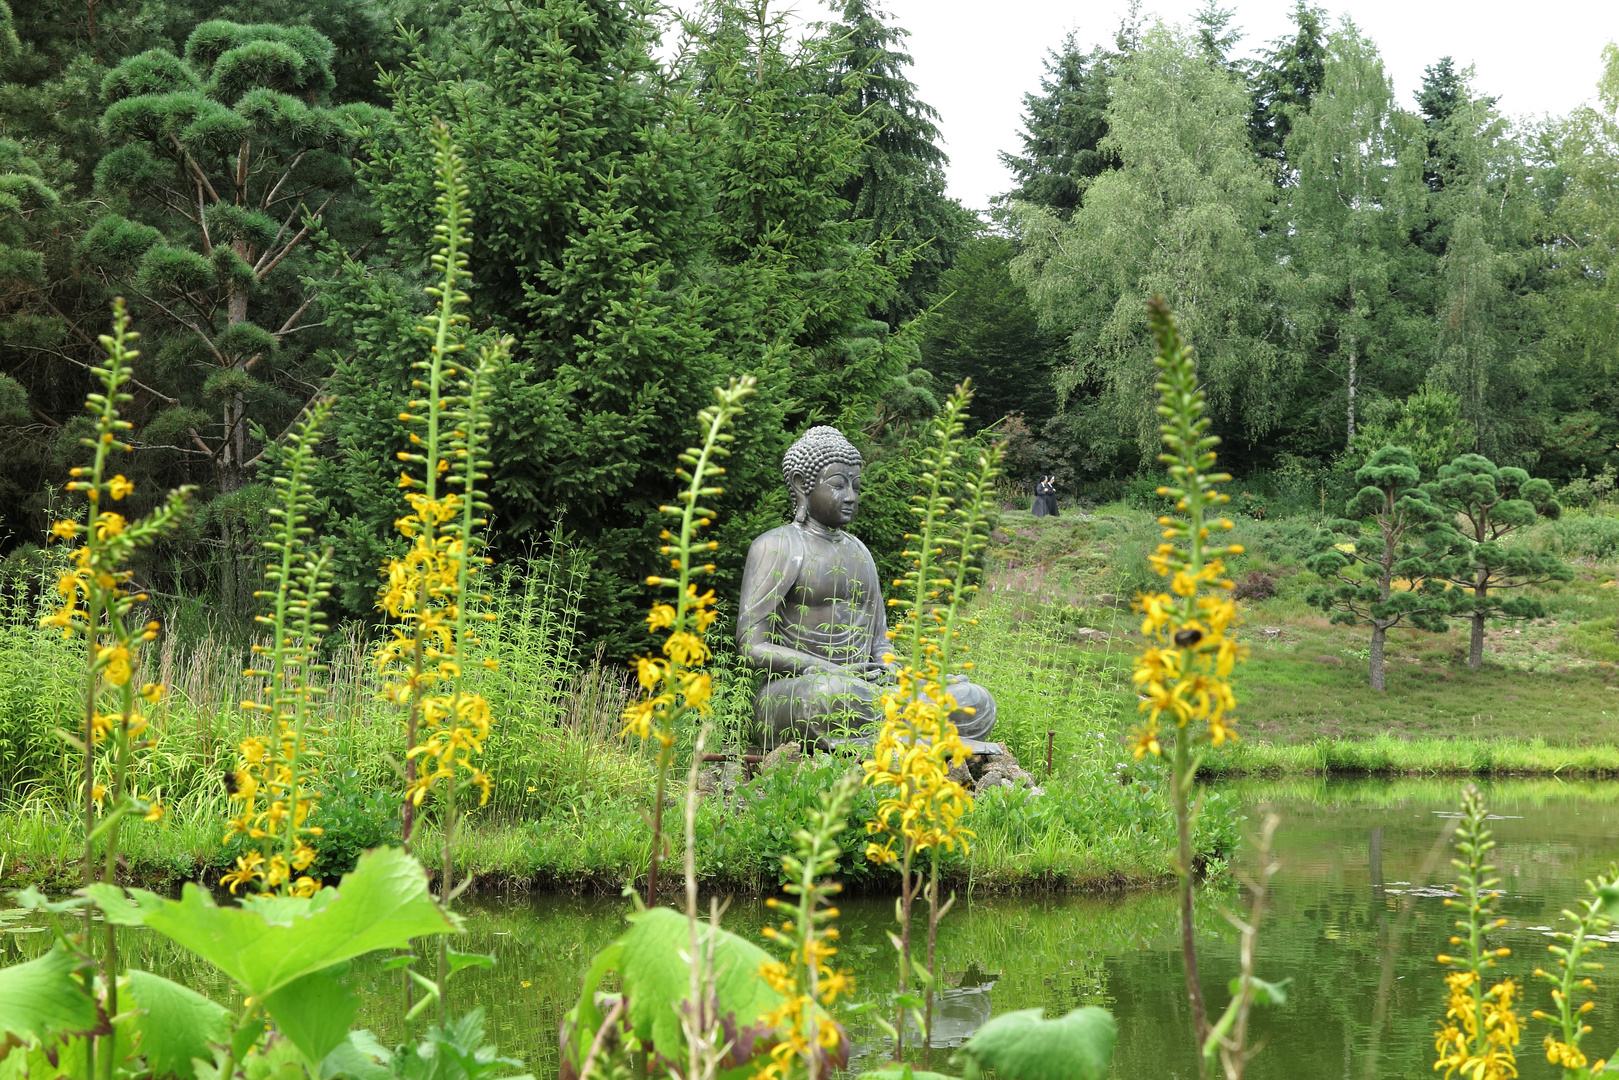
835, 496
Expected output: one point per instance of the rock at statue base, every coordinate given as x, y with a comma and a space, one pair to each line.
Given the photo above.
788, 753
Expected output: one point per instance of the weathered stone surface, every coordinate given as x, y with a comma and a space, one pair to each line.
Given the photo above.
811, 616
789, 754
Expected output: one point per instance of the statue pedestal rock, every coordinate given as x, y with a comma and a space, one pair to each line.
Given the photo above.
812, 616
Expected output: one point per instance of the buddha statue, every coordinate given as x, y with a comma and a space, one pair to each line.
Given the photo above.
812, 616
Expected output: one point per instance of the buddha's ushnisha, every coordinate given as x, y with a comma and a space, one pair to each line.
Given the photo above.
812, 616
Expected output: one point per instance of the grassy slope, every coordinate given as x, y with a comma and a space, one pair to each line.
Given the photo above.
1547, 699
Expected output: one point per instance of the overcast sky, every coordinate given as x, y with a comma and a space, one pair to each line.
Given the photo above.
975, 60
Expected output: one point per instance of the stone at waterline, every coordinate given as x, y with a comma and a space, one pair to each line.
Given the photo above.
812, 616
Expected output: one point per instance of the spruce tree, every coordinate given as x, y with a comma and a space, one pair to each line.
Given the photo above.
1284, 80
898, 189
644, 232
1387, 579
1491, 504
1063, 129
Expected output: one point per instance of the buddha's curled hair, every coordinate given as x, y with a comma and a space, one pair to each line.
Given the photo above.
801, 465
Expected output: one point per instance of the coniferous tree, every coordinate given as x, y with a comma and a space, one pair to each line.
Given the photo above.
225, 164
898, 189
986, 330
1388, 579
1492, 503
1283, 81
644, 233
1063, 128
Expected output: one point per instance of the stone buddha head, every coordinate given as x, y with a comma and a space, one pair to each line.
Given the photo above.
822, 471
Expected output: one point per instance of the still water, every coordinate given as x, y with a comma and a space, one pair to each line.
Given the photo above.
1355, 919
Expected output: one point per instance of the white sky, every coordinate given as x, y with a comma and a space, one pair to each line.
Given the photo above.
975, 60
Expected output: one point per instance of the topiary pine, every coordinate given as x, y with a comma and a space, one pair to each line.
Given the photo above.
1490, 503
224, 168
1399, 583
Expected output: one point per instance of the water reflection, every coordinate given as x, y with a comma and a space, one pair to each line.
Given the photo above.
1356, 918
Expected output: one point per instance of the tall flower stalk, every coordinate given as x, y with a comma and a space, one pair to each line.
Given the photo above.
920, 807
1184, 672
97, 603
274, 775
675, 685
810, 1044
429, 589
1480, 1028
1592, 922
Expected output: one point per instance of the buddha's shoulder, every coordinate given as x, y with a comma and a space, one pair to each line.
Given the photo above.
783, 538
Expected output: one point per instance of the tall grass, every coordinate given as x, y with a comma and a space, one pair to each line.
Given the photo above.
556, 746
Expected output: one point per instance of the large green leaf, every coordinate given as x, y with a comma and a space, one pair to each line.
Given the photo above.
657, 978
650, 957
42, 998
176, 1024
1022, 1046
315, 1011
269, 943
358, 1057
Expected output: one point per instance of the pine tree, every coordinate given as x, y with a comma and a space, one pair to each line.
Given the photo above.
225, 165
1387, 580
1493, 503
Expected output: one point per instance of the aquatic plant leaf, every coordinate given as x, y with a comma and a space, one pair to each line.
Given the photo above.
1023, 1046
176, 1024
1265, 993
41, 998
460, 960
266, 944
657, 978
315, 1011
358, 1057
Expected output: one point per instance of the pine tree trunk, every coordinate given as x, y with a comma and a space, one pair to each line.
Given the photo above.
1475, 644
232, 455
1379, 633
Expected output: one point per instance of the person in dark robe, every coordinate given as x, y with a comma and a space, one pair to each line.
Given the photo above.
1045, 497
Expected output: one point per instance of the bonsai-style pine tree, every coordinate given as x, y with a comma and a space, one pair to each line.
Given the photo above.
225, 166
1489, 504
1399, 583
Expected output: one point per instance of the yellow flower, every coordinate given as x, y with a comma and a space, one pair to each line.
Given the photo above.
116, 661
154, 811
118, 487
1144, 740
661, 616
109, 525
65, 530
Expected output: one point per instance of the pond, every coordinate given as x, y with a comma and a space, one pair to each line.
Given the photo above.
1355, 921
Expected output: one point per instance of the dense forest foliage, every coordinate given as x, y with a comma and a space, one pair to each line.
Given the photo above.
659, 204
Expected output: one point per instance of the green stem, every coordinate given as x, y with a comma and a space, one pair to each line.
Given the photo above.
1179, 781
446, 895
